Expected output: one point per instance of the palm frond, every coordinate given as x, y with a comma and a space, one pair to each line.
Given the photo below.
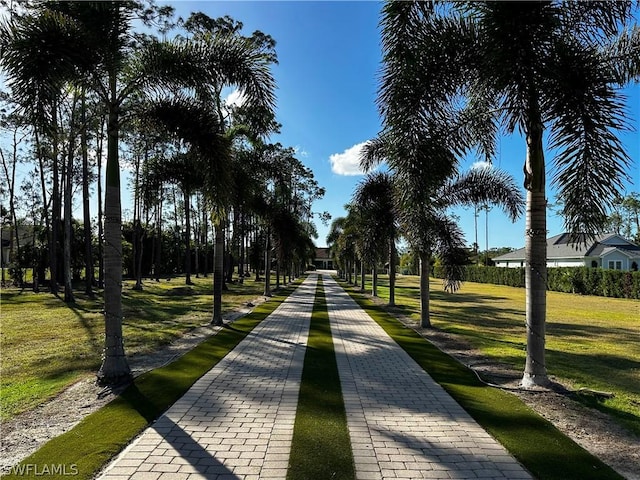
622, 55
39, 54
373, 153
233, 60
592, 164
449, 246
195, 124
424, 63
596, 20
166, 65
484, 186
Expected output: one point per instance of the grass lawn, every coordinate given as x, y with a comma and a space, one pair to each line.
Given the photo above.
47, 345
592, 342
87, 447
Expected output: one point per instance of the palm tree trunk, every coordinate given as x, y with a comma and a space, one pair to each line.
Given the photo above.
425, 320
363, 275
196, 236
187, 235
197, 248
392, 272
86, 211
205, 240
137, 226
267, 266
138, 246
100, 208
157, 255
45, 203
68, 231
218, 274
355, 272
535, 372
374, 281
241, 253
115, 368
55, 210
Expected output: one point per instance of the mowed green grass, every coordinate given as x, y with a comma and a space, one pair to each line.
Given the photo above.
47, 345
592, 342
321, 447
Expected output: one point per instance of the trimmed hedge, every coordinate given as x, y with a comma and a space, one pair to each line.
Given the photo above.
580, 280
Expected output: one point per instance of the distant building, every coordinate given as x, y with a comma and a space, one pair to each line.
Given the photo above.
323, 260
609, 251
8, 238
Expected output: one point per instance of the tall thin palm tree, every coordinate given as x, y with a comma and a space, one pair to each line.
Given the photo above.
537, 67
423, 202
336, 229
92, 41
375, 198
230, 60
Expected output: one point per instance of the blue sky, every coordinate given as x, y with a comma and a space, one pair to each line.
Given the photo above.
329, 60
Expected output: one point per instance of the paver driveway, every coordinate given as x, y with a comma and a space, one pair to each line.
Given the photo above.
402, 424
236, 422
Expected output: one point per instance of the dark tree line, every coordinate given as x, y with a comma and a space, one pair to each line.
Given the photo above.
89, 95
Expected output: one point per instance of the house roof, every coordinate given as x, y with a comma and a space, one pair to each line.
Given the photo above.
562, 246
323, 253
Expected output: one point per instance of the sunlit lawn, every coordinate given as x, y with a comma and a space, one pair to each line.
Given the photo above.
47, 345
592, 342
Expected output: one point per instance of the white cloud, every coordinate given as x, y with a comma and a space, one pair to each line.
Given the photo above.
347, 162
235, 99
301, 152
480, 165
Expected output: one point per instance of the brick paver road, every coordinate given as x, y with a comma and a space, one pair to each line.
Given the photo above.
236, 422
402, 424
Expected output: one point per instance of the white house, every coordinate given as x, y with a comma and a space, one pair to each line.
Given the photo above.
323, 260
609, 251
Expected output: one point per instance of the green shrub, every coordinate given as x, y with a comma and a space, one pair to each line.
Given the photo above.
580, 280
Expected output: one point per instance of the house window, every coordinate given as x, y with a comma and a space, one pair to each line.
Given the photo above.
615, 264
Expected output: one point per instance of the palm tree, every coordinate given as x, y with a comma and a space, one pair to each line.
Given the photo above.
92, 41
422, 204
336, 230
533, 66
230, 59
353, 244
375, 199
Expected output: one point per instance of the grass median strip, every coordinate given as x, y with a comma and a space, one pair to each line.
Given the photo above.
537, 444
321, 448
86, 448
